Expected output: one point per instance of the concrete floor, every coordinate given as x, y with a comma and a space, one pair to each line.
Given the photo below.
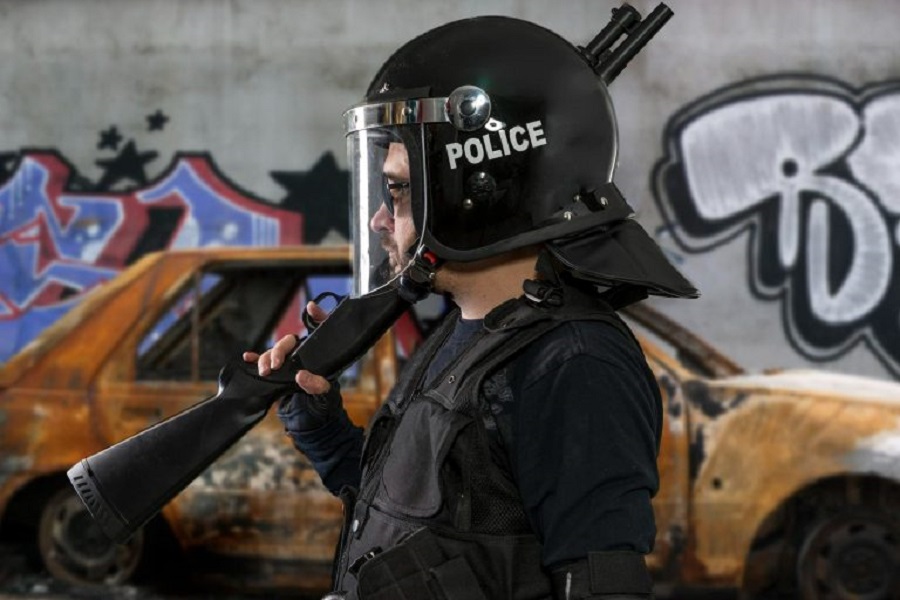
20, 580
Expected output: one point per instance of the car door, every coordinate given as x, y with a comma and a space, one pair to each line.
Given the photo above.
261, 499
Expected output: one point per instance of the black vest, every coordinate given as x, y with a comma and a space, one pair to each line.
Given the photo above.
435, 516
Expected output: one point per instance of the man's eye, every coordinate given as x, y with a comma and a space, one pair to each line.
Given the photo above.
398, 189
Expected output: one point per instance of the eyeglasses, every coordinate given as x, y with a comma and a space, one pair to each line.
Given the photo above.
394, 191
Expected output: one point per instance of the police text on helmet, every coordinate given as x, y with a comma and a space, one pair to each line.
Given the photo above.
518, 139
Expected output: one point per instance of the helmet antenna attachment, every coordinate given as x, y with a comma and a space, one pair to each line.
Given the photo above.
607, 61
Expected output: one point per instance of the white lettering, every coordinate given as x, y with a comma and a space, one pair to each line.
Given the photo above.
536, 133
504, 142
517, 139
519, 145
454, 151
470, 147
491, 153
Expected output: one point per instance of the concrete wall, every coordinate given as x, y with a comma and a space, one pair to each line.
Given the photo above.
753, 134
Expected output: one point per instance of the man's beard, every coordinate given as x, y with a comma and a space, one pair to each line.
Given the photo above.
397, 260
382, 273
393, 263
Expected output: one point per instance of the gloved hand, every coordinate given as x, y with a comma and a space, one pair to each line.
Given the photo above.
305, 412
320, 400
274, 357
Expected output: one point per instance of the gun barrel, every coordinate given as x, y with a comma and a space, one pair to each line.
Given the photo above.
637, 39
623, 19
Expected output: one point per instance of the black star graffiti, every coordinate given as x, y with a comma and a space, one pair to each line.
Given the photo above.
8, 164
320, 194
128, 165
109, 138
157, 121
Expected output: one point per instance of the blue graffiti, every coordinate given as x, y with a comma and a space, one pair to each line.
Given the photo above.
40, 248
211, 220
56, 245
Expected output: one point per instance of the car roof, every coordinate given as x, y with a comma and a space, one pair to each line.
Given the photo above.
180, 263
691, 351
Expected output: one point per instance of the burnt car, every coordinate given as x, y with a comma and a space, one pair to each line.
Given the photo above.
147, 345
781, 484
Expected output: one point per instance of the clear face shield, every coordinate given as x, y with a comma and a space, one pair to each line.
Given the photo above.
389, 145
386, 200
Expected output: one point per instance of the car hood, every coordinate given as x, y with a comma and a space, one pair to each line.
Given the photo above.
817, 383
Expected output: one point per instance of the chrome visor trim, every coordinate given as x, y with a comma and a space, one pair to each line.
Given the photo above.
403, 112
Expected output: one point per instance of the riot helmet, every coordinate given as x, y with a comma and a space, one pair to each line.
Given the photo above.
489, 134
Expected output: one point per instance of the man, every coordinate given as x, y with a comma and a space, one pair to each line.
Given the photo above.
516, 457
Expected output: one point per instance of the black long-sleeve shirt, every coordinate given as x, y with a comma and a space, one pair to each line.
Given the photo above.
576, 418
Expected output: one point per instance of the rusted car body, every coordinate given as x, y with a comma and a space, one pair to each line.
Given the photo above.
769, 482
100, 375
784, 482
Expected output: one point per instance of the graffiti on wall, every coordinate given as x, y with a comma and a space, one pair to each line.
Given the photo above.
809, 169
62, 234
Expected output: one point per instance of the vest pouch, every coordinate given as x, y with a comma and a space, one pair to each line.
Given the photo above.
432, 564
410, 482
418, 568
379, 431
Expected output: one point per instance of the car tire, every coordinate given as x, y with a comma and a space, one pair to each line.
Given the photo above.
74, 549
851, 555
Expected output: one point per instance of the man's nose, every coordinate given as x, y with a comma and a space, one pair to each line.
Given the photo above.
382, 220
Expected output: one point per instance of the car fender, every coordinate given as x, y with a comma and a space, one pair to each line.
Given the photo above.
753, 449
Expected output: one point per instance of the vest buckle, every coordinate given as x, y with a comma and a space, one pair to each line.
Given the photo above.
542, 293
357, 564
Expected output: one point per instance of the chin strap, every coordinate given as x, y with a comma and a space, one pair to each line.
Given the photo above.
417, 280
546, 291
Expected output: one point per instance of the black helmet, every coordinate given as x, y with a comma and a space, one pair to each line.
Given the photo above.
511, 140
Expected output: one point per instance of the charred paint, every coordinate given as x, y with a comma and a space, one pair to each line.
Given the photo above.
696, 453
258, 463
677, 539
699, 396
215, 515
13, 465
738, 400
670, 390
3, 419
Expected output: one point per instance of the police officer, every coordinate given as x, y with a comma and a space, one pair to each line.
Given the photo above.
516, 457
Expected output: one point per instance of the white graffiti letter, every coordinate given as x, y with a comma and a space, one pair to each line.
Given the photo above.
876, 161
869, 275
744, 153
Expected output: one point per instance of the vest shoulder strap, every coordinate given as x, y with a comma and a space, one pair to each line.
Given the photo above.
414, 371
511, 328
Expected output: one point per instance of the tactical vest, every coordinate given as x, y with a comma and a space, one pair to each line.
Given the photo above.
435, 516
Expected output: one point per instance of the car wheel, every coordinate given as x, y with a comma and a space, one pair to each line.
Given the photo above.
75, 550
851, 555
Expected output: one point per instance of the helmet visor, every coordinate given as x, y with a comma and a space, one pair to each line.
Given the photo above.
386, 189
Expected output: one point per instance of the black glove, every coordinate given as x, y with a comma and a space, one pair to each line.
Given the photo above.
305, 412
615, 575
